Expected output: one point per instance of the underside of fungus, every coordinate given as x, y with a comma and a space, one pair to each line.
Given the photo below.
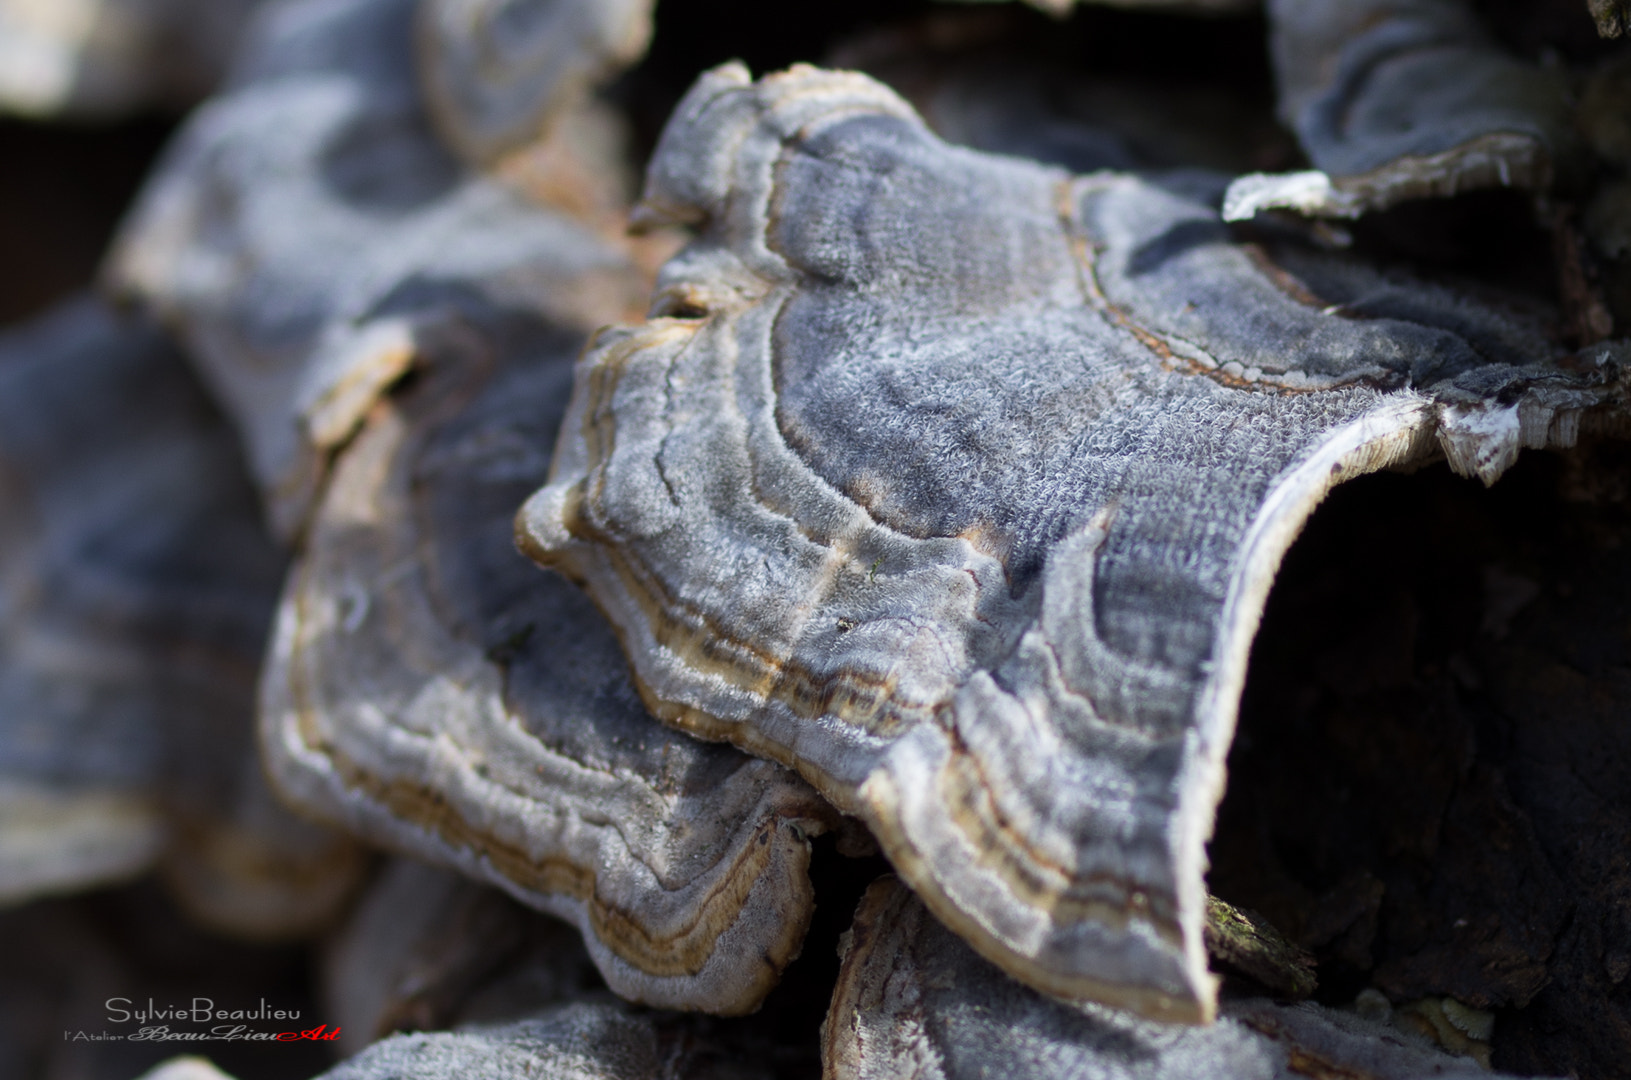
1395, 102
428, 948
1016, 649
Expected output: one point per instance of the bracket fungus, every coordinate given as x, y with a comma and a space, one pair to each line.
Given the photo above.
428, 687
136, 586
584, 1040
498, 72
914, 1003
1394, 102
298, 331
1016, 650
437, 694
431, 950
930, 497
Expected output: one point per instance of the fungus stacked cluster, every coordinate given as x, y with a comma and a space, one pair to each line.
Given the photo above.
906, 460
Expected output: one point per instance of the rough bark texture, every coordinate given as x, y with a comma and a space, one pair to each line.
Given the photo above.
956, 483
915, 1003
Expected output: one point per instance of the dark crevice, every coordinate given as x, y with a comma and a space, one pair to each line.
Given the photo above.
63, 190
1421, 786
793, 1012
695, 35
1482, 240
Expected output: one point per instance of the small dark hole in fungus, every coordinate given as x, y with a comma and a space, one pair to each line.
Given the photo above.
1430, 798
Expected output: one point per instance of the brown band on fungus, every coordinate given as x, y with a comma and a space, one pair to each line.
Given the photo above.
731, 531
682, 950
381, 525
1082, 247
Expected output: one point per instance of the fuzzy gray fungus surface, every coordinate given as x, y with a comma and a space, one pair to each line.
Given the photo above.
956, 483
